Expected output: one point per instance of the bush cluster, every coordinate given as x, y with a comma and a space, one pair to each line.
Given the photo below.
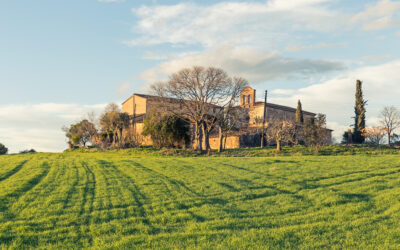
3, 149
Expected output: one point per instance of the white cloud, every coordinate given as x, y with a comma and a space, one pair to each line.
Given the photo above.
295, 48
381, 15
38, 126
151, 55
233, 22
124, 88
338, 130
374, 121
335, 97
255, 65
283, 92
375, 59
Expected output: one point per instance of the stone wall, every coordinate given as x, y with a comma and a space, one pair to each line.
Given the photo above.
135, 104
231, 142
256, 115
237, 141
127, 106
137, 130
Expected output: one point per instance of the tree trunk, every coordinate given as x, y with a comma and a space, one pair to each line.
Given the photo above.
120, 137
200, 141
389, 138
198, 138
278, 145
262, 139
108, 137
206, 137
225, 136
220, 139
114, 138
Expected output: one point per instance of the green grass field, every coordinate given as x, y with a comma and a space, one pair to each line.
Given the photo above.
123, 200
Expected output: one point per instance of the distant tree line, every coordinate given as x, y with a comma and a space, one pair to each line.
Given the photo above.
110, 130
4, 150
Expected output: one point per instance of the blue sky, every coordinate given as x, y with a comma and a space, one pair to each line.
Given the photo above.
61, 59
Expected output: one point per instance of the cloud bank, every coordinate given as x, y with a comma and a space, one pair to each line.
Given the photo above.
255, 65
234, 22
380, 15
39, 126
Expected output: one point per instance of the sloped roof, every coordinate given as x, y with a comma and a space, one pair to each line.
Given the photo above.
170, 99
270, 105
144, 96
281, 107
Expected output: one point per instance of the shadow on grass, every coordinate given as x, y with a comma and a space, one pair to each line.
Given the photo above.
354, 197
4, 201
13, 171
5, 204
139, 197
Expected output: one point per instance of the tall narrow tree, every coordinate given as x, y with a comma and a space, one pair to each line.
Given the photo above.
299, 113
359, 118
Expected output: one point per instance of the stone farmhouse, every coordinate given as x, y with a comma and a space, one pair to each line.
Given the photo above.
138, 105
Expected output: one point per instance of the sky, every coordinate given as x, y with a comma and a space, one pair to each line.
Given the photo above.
60, 60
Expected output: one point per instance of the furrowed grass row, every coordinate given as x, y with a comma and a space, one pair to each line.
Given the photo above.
114, 200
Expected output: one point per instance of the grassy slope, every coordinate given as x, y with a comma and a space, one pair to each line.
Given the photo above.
119, 200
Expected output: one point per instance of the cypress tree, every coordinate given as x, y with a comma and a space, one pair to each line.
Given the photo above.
299, 113
359, 119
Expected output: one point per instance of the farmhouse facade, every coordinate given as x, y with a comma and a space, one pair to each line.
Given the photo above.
139, 105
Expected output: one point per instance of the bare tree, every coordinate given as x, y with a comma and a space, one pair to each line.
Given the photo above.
92, 117
227, 120
390, 119
108, 121
122, 124
280, 131
202, 93
113, 122
227, 115
374, 135
112, 107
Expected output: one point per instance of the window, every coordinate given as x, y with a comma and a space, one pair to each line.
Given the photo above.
249, 99
244, 100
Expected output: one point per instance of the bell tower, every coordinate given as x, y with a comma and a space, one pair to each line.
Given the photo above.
247, 97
